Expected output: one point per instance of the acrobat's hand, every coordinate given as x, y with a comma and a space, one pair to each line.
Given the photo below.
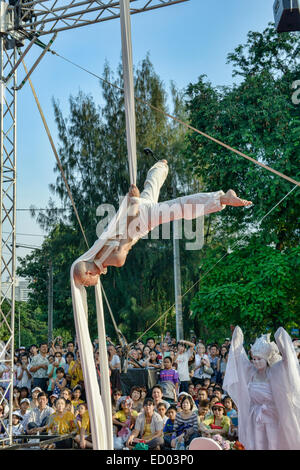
134, 191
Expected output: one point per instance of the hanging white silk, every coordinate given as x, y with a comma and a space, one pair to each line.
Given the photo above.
100, 406
128, 87
268, 413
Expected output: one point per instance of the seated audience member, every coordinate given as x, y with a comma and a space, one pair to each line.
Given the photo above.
157, 395
34, 397
210, 391
185, 425
191, 390
60, 381
84, 438
183, 395
203, 411
135, 395
75, 372
52, 399
169, 425
230, 411
124, 419
24, 393
115, 398
62, 422
162, 410
16, 398
39, 416
202, 395
17, 426
76, 395
218, 392
168, 379
69, 358
206, 383
143, 390
148, 427
218, 423
24, 411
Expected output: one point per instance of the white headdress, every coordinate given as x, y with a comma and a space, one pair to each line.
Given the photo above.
266, 349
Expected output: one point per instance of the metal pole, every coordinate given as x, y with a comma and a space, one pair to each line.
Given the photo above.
19, 328
50, 303
7, 210
177, 278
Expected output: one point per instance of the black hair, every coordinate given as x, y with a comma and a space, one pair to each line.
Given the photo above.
70, 354
61, 369
172, 407
42, 394
149, 339
62, 398
161, 404
203, 403
44, 342
157, 386
148, 400
191, 402
170, 359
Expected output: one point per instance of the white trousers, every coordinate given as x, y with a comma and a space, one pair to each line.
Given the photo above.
153, 213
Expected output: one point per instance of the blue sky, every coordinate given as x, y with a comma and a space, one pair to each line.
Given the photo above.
184, 41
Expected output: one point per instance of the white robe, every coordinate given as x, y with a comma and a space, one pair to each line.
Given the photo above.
268, 412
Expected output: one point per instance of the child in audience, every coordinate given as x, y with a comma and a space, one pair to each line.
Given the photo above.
168, 427
162, 410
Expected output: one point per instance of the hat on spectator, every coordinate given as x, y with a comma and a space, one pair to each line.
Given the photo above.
36, 388
218, 405
53, 395
17, 413
25, 399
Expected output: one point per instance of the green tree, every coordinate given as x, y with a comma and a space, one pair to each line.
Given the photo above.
256, 287
256, 116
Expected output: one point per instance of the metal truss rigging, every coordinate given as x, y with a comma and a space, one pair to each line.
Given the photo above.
49, 16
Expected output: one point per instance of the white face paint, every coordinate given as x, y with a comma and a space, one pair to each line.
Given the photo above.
259, 363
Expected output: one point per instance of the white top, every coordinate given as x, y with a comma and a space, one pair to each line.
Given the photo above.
115, 361
182, 365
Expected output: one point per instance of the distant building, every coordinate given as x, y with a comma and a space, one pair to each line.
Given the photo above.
21, 290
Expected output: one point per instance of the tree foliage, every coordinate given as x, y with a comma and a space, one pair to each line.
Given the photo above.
255, 285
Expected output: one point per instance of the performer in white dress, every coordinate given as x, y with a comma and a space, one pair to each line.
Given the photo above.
266, 392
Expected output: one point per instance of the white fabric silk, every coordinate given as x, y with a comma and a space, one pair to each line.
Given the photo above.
128, 88
269, 413
99, 408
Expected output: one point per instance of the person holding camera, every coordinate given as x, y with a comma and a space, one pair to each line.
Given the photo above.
202, 368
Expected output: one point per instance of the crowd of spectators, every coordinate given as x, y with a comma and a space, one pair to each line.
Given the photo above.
186, 401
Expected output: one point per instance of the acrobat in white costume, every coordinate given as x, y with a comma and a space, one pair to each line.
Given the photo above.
266, 391
150, 214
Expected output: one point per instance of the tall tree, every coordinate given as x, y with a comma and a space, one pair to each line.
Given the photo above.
256, 116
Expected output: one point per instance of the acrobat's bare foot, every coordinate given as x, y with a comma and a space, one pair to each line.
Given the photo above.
231, 199
164, 161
